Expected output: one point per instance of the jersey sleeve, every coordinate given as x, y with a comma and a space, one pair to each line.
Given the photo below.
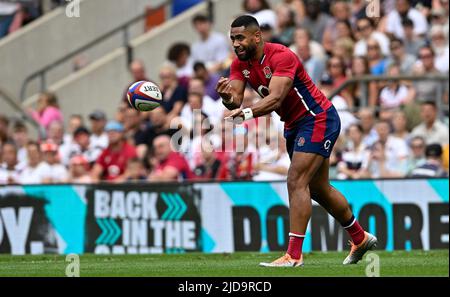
285, 63
235, 71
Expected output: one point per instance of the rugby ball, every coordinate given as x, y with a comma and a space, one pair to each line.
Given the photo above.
144, 96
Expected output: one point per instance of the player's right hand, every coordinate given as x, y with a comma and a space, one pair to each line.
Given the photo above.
224, 88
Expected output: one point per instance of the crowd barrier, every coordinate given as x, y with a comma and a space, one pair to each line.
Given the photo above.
212, 217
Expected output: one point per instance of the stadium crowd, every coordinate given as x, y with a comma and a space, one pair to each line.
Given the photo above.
401, 131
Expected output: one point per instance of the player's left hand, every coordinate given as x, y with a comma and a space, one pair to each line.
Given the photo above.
236, 116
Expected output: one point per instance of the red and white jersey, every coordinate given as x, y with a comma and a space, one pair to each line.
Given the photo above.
278, 60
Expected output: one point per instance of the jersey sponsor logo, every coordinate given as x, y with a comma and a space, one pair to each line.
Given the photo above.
327, 144
246, 73
267, 72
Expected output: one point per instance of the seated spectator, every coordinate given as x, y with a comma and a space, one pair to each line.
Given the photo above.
174, 95
396, 93
340, 11
160, 125
377, 165
20, 138
137, 133
81, 146
302, 37
400, 57
138, 73
99, 138
277, 168
209, 79
36, 171
439, 44
377, 62
400, 125
367, 30
360, 67
404, 10
314, 19
168, 165
343, 48
260, 9
355, 154
427, 90
431, 128
10, 168
75, 121
367, 120
212, 48
79, 170
135, 172
47, 110
113, 160
417, 153
58, 172
412, 41
433, 164
285, 24
268, 34
314, 66
336, 70
180, 56
209, 165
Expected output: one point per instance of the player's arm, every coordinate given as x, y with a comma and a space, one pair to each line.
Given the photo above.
231, 92
279, 87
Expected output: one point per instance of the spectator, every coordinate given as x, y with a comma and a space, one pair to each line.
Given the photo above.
277, 168
268, 34
209, 79
168, 165
58, 172
7, 13
401, 57
113, 160
431, 128
138, 73
343, 48
135, 171
360, 67
315, 19
396, 93
180, 55
47, 110
411, 41
81, 145
366, 29
285, 24
213, 109
174, 95
404, 10
75, 121
9, 168
344, 30
341, 12
212, 49
427, 90
377, 61
160, 125
99, 138
36, 171
79, 170
377, 166
20, 138
337, 72
433, 164
355, 154
314, 66
367, 120
261, 11
137, 133
417, 153
209, 166
439, 44
400, 125
302, 38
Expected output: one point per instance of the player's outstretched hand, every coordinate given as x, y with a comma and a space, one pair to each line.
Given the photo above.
224, 88
236, 116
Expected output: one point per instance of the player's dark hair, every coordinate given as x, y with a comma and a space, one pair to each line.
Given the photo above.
176, 50
244, 21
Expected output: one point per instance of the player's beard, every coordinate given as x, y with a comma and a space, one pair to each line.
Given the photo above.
249, 52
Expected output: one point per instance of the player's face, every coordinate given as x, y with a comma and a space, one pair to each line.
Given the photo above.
244, 42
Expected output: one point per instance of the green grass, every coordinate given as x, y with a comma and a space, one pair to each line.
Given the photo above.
398, 263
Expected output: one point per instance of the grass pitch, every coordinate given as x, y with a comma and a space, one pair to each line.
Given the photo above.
398, 263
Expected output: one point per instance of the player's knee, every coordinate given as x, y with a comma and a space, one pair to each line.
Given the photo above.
296, 183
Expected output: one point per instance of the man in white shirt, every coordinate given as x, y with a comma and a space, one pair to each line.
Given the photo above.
212, 48
98, 138
403, 10
9, 169
36, 172
58, 172
431, 128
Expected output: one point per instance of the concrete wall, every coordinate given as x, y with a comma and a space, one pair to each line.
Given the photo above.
101, 84
54, 35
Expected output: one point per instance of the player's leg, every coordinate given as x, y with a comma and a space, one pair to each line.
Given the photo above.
302, 170
336, 204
